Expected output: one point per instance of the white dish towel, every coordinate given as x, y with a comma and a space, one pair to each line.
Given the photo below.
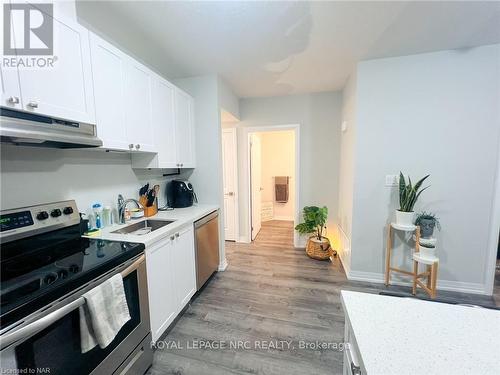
103, 314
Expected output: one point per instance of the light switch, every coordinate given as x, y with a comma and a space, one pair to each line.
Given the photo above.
344, 126
391, 180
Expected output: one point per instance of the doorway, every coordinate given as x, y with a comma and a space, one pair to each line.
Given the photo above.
230, 183
273, 184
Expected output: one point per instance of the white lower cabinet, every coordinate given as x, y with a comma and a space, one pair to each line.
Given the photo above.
171, 278
352, 359
185, 268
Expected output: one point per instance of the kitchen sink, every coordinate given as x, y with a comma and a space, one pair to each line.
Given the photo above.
143, 227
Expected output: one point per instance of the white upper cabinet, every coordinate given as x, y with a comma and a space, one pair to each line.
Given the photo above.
65, 89
11, 92
173, 129
184, 126
123, 98
164, 123
139, 86
108, 69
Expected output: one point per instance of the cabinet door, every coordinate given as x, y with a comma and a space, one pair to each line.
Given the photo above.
64, 90
139, 112
184, 118
164, 123
108, 71
184, 266
162, 299
11, 92
9, 79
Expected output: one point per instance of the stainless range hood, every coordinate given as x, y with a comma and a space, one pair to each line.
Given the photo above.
28, 129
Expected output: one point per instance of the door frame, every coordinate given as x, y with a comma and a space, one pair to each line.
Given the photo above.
235, 178
491, 259
275, 128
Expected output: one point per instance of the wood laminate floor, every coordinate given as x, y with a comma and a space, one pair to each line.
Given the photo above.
271, 294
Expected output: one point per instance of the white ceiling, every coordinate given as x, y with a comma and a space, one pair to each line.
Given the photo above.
279, 48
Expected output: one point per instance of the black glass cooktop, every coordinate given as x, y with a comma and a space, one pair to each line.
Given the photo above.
39, 269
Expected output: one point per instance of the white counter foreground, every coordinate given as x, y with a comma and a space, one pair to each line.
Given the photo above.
409, 336
180, 216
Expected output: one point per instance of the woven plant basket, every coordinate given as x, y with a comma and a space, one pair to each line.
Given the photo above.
319, 250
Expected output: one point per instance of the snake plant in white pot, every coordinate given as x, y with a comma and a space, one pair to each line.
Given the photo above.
408, 195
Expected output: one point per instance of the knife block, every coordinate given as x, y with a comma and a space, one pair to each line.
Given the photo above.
149, 211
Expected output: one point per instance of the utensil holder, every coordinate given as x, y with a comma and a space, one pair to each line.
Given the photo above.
150, 211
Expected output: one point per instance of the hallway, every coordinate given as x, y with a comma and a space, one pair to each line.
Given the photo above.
275, 233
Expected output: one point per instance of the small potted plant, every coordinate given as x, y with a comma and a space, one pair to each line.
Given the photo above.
427, 221
408, 195
318, 247
427, 250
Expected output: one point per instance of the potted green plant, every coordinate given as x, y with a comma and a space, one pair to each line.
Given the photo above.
408, 195
318, 246
427, 221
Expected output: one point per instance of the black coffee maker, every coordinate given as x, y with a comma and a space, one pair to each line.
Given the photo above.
180, 194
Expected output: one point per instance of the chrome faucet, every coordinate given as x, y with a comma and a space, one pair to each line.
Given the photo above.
122, 205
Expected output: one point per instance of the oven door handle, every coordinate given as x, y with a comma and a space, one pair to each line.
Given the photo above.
47, 320
40, 324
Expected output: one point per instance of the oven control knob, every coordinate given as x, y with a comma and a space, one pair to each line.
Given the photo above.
56, 213
42, 215
74, 268
50, 278
68, 210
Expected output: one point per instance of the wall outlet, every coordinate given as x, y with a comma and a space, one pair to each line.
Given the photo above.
391, 180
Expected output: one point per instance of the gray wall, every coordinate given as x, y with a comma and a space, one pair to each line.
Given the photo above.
434, 113
319, 116
346, 170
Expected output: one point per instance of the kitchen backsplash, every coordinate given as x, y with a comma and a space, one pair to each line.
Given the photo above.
32, 175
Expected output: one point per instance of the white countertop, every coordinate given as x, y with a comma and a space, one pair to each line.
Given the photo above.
409, 336
180, 216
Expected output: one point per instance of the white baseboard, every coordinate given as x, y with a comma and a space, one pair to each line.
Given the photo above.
453, 286
285, 218
244, 239
347, 269
223, 265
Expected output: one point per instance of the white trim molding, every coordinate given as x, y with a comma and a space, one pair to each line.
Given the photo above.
223, 265
273, 128
449, 285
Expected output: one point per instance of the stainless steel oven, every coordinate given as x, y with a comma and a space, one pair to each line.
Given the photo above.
45, 268
48, 341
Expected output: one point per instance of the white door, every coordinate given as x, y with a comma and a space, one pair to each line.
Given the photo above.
184, 119
255, 183
64, 90
184, 266
139, 83
108, 71
229, 171
164, 123
161, 292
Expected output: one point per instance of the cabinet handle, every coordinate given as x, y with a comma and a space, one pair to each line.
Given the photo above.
131, 146
137, 146
33, 104
177, 235
13, 100
172, 238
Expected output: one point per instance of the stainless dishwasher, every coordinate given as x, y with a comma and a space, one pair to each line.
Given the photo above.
207, 247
